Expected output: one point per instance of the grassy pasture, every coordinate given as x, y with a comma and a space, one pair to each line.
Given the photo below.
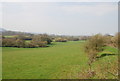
11, 36
62, 60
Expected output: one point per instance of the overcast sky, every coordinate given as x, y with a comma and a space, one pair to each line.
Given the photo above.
62, 18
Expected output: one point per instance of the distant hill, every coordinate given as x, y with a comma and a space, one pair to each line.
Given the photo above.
2, 30
8, 32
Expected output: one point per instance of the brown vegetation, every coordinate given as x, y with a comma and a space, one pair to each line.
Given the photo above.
19, 41
116, 40
95, 45
60, 40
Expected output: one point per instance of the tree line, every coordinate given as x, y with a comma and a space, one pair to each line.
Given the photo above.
22, 41
96, 44
33, 41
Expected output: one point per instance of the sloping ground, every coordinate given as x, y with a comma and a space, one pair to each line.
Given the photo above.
59, 61
43, 63
106, 67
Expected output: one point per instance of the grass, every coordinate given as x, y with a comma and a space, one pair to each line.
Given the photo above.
62, 60
42, 63
27, 41
11, 36
106, 67
109, 50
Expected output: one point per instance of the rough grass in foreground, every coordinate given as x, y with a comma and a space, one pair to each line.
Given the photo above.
62, 60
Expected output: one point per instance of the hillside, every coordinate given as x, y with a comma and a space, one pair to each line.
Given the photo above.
5, 32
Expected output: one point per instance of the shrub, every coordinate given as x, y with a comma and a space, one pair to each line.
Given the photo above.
43, 37
46, 38
108, 41
39, 41
84, 37
30, 45
20, 43
75, 39
72, 39
116, 40
60, 40
94, 45
12, 42
8, 42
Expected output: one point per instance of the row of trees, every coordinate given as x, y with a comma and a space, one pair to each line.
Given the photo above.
20, 41
41, 40
29, 36
69, 38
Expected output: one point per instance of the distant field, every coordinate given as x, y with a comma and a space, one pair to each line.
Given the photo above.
11, 36
59, 61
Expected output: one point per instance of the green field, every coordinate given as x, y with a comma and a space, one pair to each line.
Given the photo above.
59, 61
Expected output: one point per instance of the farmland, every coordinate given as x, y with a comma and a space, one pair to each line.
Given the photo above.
59, 40
61, 60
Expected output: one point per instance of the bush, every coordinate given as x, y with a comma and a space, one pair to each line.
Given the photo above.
30, 45
75, 39
46, 38
94, 45
39, 41
12, 42
72, 38
84, 37
116, 40
42, 38
20, 43
60, 40
8, 42
108, 41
